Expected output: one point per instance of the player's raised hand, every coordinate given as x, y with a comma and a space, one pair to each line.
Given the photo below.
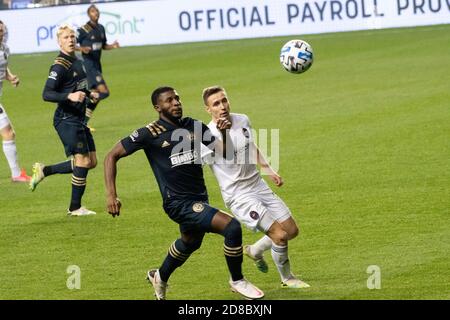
77, 96
113, 205
223, 124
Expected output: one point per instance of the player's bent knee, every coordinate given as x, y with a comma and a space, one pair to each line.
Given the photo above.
280, 237
8, 134
233, 233
293, 233
192, 246
83, 162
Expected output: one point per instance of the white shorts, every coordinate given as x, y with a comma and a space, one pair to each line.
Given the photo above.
4, 120
259, 209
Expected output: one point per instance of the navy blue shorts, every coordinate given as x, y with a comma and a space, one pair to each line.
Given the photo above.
191, 215
93, 74
75, 136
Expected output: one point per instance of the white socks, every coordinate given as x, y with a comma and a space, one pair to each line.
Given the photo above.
10, 150
279, 255
257, 249
281, 259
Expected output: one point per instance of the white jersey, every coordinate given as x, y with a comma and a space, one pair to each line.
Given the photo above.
236, 180
4, 54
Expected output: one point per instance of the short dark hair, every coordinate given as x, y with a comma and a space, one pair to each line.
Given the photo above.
207, 92
158, 92
92, 6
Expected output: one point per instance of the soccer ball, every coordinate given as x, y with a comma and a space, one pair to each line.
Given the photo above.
296, 56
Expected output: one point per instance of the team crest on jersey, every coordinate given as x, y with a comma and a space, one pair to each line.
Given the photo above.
80, 145
75, 74
246, 133
198, 207
165, 144
254, 215
93, 37
98, 78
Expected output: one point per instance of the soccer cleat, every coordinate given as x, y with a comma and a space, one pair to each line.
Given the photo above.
260, 263
38, 175
159, 285
82, 211
246, 289
294, 283
23, 177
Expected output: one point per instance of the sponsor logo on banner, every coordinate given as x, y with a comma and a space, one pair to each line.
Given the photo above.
115, 24
140, 23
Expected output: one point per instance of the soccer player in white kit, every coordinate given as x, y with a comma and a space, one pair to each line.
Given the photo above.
247, 195
6, 130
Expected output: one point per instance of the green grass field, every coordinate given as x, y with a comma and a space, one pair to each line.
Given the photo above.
365, 153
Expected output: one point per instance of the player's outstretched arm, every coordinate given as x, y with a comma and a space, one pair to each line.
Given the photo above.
113, 203
114, 45
14, 79
267, 169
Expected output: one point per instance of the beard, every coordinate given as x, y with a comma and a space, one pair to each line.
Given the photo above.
172, 117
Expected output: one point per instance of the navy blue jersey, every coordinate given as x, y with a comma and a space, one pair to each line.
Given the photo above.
174, 154
66, 75
93, 36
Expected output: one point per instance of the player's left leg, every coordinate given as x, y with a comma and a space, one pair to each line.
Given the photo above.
178, 253
10, 149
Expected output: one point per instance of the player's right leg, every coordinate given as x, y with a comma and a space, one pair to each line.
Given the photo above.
67, 131
9, 148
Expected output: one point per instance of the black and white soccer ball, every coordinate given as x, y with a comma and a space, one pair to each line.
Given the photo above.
296, 56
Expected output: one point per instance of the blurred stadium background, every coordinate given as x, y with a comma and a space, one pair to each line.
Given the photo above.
364, 149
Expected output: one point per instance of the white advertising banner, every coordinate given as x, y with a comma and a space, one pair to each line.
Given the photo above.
172, 21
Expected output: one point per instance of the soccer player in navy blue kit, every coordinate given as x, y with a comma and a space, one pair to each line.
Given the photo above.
173, 146
67, 86
92, 40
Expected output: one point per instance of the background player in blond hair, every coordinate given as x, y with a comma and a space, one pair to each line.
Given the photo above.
67, 86
6, 129
247, 195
